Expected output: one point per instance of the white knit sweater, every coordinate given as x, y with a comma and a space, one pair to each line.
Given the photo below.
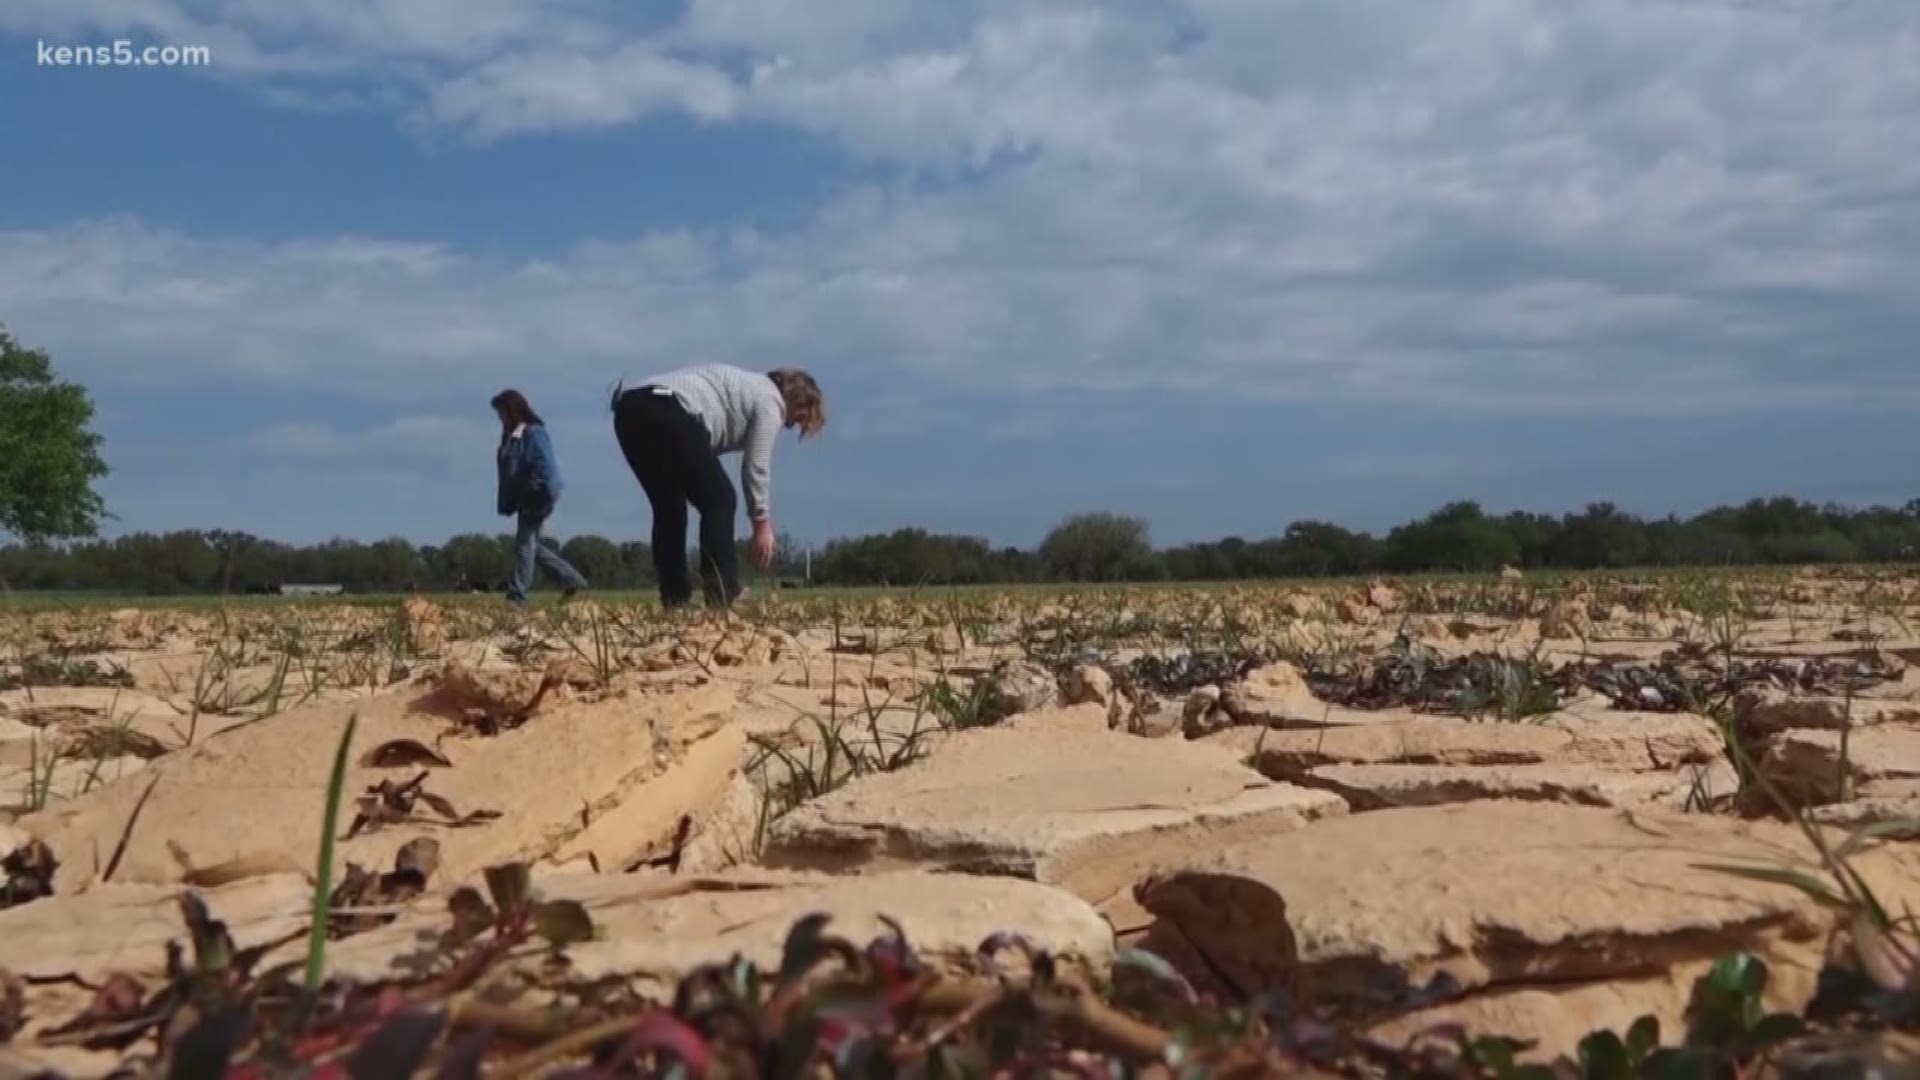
742, 411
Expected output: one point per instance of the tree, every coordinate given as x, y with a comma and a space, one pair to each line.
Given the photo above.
1091, 547
1702, 541
636, 562
1099, 547
49, 455
1533, 534
476, 560
597, 558
1600, 538
1458, 536
1314, 548
389, 564
910, 556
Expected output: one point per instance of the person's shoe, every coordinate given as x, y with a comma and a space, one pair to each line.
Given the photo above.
568, 593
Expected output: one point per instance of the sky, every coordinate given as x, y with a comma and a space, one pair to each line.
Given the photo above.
1221, 264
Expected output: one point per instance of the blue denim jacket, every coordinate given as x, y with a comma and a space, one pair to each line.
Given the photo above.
529, 474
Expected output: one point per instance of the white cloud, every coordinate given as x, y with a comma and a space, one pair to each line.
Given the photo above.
413, 438
406, 40
1648, 205
545, 91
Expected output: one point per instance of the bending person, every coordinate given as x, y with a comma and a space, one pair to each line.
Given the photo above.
529, 487
673, 429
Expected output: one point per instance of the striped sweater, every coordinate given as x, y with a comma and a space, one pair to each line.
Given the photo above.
742, 411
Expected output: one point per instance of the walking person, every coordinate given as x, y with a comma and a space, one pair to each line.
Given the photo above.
672, 428
530, 486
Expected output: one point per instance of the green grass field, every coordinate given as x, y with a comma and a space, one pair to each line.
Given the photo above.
36, 602
30, 602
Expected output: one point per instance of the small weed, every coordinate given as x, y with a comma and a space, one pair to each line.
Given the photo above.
62, 666
323, 869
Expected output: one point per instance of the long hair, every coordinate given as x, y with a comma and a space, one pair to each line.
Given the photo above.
806, 405
512, 404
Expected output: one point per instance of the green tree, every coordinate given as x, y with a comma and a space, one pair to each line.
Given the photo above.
1534, 534
1458, 536
636, 562
49, 454
185, 563
1314, 548
391, 565
1699, 542
476, 560
1099, 547
1601, 537
597, 558
910, 556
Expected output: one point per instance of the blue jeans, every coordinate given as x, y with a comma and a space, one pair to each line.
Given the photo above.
527, 547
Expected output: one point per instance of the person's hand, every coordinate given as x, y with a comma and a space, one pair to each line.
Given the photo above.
763, 543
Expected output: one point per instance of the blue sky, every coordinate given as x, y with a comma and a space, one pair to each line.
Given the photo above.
1221, 263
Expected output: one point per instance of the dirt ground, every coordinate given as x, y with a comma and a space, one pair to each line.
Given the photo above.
1533, 791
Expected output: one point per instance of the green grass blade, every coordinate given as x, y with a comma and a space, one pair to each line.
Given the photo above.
1798, 879
1891, 829
323, 872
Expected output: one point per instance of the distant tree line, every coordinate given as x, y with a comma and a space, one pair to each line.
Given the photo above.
1092, 547
50, 460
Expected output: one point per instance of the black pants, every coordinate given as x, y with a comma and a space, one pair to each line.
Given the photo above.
669, 453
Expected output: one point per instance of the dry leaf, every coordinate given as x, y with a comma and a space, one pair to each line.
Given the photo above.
413, 865
403, 754
562, 922
387, 803
251, 865
27, 874
421, 856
